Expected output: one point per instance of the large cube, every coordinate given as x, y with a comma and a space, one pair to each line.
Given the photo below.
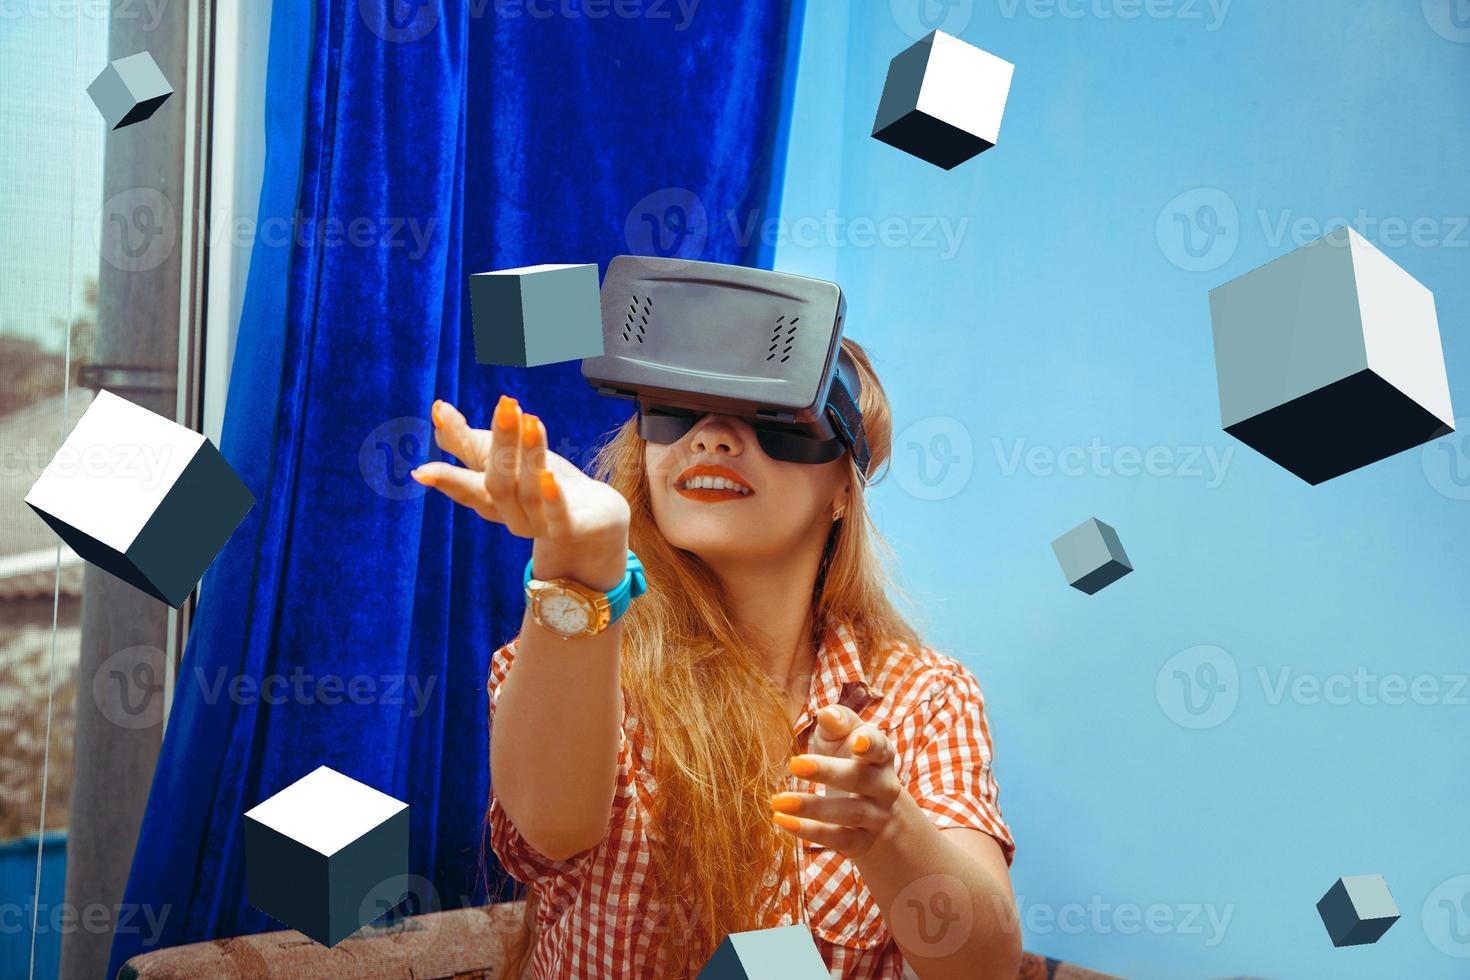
130, 90
1329, 359
540, 314
326, 855
1091, 556
1357, 910
943, 100
140, 496
780, 953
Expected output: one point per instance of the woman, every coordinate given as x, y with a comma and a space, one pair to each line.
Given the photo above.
790, 715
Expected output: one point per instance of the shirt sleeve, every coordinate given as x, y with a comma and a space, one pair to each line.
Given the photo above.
952, 779
522, 861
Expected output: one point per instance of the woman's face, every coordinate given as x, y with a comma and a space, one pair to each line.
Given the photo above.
787, 506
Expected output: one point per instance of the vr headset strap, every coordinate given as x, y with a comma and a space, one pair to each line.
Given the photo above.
841, 408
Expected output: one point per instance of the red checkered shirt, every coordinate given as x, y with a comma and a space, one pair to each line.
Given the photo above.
593, 907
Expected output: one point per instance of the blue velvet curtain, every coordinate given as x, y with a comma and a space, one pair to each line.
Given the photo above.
349, 620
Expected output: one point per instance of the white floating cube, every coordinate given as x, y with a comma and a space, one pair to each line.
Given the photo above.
1329, 358
140, 496
1357, 910
943, 100
787, 952
1091, 556
130, 90
326, 855
539, 314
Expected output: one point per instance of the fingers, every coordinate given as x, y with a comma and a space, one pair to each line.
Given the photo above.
503, 466
528, 476
461, 485
508, 478
868, 773
835, 723
846, 840
452, 433
872, 746
555, 513
843, 811
840, 731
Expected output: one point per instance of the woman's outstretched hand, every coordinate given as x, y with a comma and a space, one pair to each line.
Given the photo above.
512, 478
855, 762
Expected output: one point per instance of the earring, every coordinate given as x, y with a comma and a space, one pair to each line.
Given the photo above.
837, 514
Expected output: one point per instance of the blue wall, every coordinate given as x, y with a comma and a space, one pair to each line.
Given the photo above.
1050, 360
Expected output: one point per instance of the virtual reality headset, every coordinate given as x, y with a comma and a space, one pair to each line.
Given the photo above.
684, 338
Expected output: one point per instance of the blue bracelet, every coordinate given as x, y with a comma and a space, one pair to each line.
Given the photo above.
621, 596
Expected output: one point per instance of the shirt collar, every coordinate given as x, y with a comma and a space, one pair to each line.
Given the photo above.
838, 677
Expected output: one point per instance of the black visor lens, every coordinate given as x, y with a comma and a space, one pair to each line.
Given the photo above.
782, 444
664, 427
792, 447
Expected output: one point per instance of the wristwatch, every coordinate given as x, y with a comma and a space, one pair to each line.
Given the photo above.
568, 608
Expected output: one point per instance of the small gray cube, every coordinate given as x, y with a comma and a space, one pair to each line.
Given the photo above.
130, 90
327, 855
141, 497
540, 314
1091, 556
943, 100
1329, 358
779, 953
1357, 910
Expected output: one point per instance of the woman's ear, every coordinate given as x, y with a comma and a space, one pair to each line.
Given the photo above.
839, 503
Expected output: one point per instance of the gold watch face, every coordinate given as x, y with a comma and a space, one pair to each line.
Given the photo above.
563, 611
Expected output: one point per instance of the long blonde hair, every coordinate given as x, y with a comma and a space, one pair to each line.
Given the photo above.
714, 718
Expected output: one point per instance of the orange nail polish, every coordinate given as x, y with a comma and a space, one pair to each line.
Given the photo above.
786, 803
549, 489
434, 414
529, 431
787, 821
505, 413
861, 744
800, 765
